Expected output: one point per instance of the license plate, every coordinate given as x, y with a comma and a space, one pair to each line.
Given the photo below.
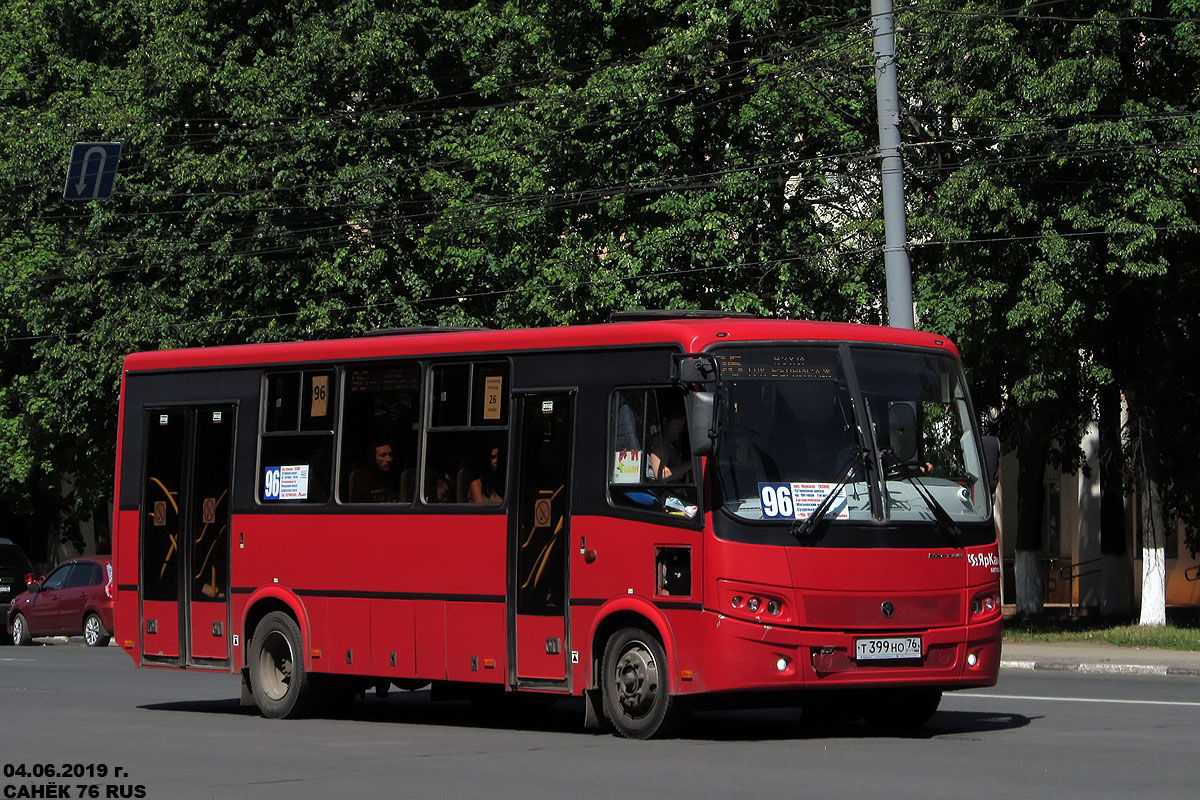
887, 647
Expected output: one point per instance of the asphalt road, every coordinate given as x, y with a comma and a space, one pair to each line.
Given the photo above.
165, 734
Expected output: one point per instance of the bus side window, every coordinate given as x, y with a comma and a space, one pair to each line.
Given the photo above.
650, 459
466, 457
296, 443
380, 427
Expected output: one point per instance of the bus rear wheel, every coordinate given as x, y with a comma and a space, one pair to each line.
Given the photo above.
277, 676
637, 694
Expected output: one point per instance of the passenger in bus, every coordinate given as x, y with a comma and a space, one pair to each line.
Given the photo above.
442, 490
901, 457
378, 482
669, 456
489, 486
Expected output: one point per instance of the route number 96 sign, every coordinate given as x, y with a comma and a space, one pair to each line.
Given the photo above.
799, 500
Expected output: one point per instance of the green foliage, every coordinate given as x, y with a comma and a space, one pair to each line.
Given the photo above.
316, 168
1062, 159
308, 169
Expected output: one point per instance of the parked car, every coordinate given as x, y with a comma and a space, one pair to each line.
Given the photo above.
75, 599
15, 574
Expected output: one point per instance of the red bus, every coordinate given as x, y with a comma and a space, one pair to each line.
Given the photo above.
666, 510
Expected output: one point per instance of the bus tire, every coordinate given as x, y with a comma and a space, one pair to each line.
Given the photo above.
20, 631
277, 676
900, 710
637, 692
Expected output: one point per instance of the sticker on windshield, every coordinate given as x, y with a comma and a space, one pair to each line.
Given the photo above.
800, 500
627, 466
286, 483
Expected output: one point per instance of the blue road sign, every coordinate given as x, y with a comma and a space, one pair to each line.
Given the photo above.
93, 170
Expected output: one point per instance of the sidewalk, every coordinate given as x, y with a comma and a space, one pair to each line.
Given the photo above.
1085, 657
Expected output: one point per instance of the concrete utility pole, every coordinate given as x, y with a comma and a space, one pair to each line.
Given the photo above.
895, 254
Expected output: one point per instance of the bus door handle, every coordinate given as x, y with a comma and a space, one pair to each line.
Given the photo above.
588, 555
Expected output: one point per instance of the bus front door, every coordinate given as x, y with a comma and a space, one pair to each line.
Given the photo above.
185, 535
540, 533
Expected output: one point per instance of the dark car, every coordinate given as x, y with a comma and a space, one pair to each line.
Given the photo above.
75, 599
15, 574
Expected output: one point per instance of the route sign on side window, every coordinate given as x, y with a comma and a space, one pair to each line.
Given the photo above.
93, 170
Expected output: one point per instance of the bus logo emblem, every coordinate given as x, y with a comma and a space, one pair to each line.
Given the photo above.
888, 609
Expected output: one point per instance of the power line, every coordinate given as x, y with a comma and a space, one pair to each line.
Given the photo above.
637, 109
457, 297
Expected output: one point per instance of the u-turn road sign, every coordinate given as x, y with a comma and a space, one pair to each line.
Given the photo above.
93, 170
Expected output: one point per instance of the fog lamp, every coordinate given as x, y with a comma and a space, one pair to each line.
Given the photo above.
781, 664
972, 659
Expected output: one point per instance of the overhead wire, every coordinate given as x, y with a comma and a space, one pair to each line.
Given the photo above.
519, 200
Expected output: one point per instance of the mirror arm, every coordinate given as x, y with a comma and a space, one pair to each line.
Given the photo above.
991, 460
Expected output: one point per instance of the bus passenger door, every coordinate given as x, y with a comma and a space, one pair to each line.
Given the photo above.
185, 535
539, 536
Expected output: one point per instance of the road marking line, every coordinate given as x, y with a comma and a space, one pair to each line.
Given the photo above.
1115, 701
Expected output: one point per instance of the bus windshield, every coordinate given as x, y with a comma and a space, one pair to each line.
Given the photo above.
800, 425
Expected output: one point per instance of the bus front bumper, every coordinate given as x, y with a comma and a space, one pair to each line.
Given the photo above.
739, 656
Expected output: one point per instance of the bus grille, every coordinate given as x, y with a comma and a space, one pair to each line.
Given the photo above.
844, 612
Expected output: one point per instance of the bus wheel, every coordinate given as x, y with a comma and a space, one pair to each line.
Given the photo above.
900, 710
277, 675
637, 697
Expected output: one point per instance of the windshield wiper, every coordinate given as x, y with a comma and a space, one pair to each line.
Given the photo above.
945, 522
802, 527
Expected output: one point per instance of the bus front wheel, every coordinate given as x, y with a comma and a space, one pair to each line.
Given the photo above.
277, 676
637, 695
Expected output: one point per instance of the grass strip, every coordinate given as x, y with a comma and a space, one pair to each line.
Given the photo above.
1168, 637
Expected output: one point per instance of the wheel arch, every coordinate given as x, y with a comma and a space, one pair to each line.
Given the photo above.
630, 612
263, 602
99, 611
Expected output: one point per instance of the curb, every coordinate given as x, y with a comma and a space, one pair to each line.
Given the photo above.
1102, 668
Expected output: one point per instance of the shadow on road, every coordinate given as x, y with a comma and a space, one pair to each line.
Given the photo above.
566, 716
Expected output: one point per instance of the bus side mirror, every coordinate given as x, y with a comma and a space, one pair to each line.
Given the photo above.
697, 371
991, 460
700, 422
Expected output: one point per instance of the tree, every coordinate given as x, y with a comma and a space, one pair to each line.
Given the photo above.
1057, 160
325, 168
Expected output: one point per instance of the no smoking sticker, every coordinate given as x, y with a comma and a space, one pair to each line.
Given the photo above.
541, 513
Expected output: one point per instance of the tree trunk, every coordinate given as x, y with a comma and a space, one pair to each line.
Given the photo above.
1033, 446
1116, 594
1154, 563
